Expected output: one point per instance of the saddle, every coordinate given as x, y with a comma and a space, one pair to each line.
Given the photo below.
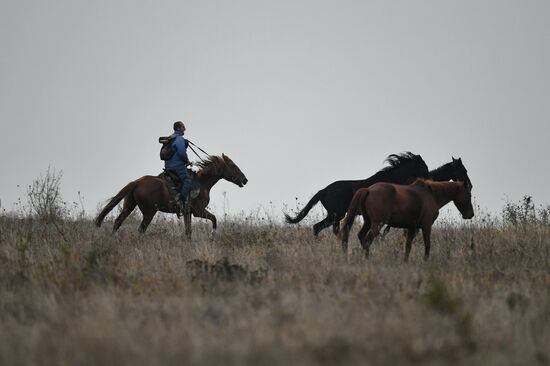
173, 181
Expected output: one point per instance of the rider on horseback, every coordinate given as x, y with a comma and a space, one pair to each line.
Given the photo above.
179, 161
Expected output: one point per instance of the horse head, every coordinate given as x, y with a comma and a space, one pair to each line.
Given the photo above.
463, 200
460, 173
232, 173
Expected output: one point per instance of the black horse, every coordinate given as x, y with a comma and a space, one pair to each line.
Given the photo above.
403, 168
453, 170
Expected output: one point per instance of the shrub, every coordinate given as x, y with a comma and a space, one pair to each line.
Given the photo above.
44, 196
525, 212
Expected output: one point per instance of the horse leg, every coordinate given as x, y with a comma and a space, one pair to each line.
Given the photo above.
336, 224
345, 234
345, 237
426, 233
367, 239
323, 224
364, 229
363, 232
148, 213
127, 208
411, 233
187, 221
147, 218
205, 214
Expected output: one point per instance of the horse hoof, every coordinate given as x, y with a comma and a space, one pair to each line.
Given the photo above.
213, 234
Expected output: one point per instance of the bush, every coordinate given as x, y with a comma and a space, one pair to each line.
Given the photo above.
525, 212
44, 196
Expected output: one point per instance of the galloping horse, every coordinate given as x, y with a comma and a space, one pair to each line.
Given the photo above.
335, 197
412, 207
152, 194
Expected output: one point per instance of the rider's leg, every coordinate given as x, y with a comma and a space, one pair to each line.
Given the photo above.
185, 179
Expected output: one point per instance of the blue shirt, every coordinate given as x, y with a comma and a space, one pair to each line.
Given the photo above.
180, 156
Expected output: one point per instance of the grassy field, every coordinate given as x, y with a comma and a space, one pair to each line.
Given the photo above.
261, 293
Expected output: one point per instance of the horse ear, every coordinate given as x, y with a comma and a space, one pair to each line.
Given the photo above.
453, 158
226, 159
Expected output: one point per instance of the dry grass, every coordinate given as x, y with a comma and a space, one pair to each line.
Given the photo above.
265, 294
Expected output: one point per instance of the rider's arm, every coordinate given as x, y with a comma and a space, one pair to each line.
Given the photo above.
180, 149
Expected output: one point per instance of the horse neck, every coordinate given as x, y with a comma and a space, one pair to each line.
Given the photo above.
208, 178
444, 192
443, 173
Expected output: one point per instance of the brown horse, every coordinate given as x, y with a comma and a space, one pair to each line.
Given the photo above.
412, 207
152, 194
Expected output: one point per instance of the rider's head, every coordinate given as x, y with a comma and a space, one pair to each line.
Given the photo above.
179, 126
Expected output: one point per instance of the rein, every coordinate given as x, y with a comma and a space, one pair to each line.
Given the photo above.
198, 156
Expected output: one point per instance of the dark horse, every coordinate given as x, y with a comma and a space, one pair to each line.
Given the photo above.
152, 194
403, 168
412, 207
453, 170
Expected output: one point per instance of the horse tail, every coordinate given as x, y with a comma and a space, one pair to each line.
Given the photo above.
114, 201
347, 221
305, 210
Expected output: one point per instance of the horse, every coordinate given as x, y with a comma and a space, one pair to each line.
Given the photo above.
403, 168
412, 207
453, 170
152, 194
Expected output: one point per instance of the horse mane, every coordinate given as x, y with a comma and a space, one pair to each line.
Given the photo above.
396, 160
211, 166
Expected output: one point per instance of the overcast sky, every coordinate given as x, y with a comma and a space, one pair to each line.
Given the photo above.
298, 93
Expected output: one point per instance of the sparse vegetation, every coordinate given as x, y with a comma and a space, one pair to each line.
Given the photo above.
525, 212
265, 293
44, 197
